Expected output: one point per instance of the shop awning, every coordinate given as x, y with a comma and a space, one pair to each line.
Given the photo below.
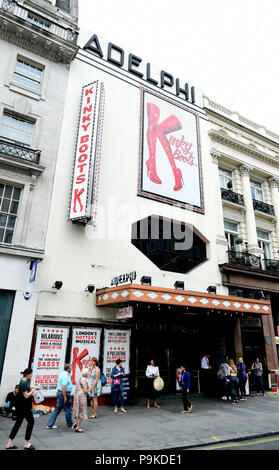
129, 293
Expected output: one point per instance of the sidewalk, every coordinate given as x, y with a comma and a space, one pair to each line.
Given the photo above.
212, 420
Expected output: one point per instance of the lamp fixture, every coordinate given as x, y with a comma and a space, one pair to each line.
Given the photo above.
211, 289
145, 281
179, 285
90, 288
57, 285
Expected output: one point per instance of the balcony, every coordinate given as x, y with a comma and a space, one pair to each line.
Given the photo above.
230, 196
272, 265
18, 151
245, 259
263, 207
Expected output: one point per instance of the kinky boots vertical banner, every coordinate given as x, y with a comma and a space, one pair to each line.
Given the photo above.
85, 346
86, 162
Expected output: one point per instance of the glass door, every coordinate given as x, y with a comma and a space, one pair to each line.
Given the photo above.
6, 308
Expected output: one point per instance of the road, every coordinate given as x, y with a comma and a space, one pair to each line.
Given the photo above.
266, 443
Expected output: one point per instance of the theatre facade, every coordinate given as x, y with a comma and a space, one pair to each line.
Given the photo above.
137, 246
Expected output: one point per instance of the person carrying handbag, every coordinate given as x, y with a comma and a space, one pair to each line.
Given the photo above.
117, 386
257, 368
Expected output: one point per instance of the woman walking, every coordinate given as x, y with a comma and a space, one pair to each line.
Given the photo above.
242, 375
117, 386
24, 410
232, 373
152, 371
96, 387
257, 368
185, 383
80, 400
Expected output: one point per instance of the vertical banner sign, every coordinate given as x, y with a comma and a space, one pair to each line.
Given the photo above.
83, 187
85, 346
49, 358
117, 346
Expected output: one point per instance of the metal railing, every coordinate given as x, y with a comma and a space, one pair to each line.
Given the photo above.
231, 196
19, 151
66, 33
272, 265
263, 207
245, 259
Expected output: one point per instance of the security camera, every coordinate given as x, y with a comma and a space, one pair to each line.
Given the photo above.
57, 285
90, 288
27, 295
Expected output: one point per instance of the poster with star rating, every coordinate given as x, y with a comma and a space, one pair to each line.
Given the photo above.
49, 358
117, 346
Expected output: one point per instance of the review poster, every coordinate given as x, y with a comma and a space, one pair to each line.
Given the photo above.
117, 346
85, 346
49, 358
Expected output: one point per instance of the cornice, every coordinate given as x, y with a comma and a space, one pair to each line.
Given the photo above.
234, 143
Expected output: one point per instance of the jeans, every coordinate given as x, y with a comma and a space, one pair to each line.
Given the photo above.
259, 383
242, 384
234, 387
67, 408
28, 415
186, 402
118, 398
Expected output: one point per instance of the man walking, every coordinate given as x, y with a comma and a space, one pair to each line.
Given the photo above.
63, 399
185, 383
206, 376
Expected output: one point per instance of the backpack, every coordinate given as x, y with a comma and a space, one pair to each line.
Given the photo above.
103, 379
222, 372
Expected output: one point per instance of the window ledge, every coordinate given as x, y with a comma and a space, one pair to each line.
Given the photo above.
10, 249
25, 92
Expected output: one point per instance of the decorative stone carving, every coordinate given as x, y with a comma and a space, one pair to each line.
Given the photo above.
215, 155
274, 182
245, 170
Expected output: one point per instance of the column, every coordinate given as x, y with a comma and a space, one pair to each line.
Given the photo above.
221, 241
274, 183
249, 215
238, 339
270, 344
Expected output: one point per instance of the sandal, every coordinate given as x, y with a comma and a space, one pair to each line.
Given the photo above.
78, 430
92, 417
12, 447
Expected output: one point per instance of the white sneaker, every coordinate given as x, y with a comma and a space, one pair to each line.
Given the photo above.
223, 398
52, 427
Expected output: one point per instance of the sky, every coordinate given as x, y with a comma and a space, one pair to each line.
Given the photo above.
229, 49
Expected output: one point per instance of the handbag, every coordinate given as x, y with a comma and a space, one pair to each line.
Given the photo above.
103, 379
116, 382
38, 396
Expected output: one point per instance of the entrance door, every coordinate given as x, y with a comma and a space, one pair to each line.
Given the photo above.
6, 308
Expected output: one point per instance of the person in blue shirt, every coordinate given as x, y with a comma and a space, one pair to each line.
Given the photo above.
117, 386
185, 383
64, 399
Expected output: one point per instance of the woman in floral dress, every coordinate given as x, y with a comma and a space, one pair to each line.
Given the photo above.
80, 400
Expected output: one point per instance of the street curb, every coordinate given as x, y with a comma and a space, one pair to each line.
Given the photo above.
223, 441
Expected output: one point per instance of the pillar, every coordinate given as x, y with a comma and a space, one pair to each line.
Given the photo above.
221, 241
274, 183
238, 339
249, 215
271, 350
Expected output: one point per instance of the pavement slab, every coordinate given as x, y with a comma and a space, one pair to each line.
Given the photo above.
212, 420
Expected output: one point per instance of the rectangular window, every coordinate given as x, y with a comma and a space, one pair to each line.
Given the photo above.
27, 75
38, 21
9, 201
256, 190
264, 243
231, 234
16, 129
226, 178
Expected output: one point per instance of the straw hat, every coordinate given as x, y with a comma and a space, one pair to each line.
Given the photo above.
158, 384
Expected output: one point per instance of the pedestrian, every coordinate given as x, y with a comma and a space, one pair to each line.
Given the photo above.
96, 387
242, 375
11, 402
152, 371
117, 386
185, 383
232, 373
80, 399
257, 368
24, 410
206, 375
64, 400
224, 380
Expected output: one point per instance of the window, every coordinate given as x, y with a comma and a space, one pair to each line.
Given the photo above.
256, 190
264, 243
38, 21
226, 178
27, 75
16, 129
9, 201
231, 234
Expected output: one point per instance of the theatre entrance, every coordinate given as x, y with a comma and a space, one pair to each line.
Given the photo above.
172, 336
